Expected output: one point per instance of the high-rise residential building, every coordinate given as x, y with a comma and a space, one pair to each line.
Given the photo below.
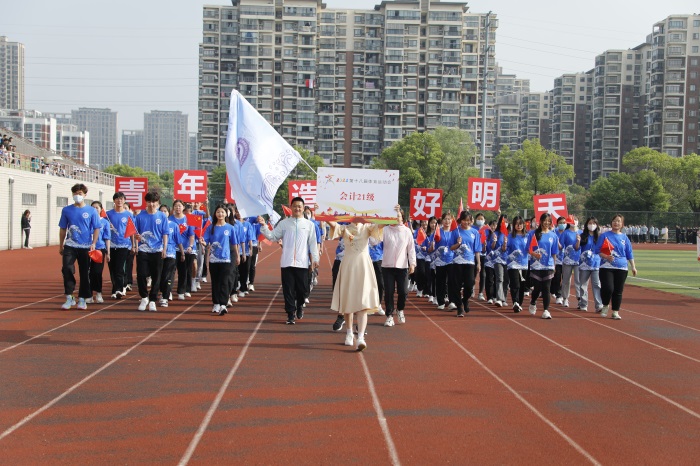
11, 74
571, 122
193, 151
165, 142
673, 93
74, 143
101, 123
132, 147
536, 118
345, 83
509, 94
618, 108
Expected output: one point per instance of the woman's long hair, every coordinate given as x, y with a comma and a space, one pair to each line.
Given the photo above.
517, 219
586, 233
543, 217
429, 230
500, 221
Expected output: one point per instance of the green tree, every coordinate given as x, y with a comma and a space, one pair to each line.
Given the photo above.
155, 182
217, 185
420, 160
460, 154
640, 191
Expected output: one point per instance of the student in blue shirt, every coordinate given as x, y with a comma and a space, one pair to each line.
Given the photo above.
555, 286
589, 266
221, 241
120, 247
152, 236
570, 242
243, 267
499, 244
96, 268
79, 230
376, 253
542, 263
516, 253
443, 258
613, 266
466, 264
256, 249
170, 261
185, 256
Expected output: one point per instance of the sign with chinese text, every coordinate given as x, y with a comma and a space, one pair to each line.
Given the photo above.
484, 194
554, 204
347, 193
190, 185
305, 189
134, 190
425, 203
228, 196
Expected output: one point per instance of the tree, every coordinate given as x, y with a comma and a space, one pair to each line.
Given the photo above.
640, 191
217, 184
460, 153
420, 160
155, 182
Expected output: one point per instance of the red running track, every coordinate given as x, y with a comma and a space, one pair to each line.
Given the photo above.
114, 385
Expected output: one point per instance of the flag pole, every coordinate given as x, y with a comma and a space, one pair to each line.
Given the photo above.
307, 164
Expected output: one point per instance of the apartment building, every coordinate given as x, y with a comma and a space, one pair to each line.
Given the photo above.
101, 123
536, 118
345, 83
74, 143
32, 125
11, 74
192, 156
132, 147
165, 142
509, 94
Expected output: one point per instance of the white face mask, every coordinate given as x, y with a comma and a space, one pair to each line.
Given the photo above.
592, 227
480, 223
78, 199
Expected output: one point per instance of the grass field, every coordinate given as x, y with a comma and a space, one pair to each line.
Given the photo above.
672, 271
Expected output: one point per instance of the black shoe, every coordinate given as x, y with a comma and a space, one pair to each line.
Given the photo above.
119, 295
460, 313
339, 322
300, 313
290, 320
222, 311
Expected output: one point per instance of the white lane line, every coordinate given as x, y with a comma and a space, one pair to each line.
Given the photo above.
57, 328
664, 283
663, 320
222, 390
599, 365
48, 405
380, 414
30, 304
517, 395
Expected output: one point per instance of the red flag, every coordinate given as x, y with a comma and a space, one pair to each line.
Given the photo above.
96, 256
504, 228
198, 232
436, 236
482, 232
461, 207
194, 220
103, 214
130, 228
183, 228
607, 248
527, 225
420, 237
206, 225
287, 211
533, 244
570, 219
453, 225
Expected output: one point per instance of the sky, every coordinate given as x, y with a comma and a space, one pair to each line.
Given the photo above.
137, 56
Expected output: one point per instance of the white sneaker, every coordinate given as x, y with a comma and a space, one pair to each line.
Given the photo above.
419, 294
560, 300
251, 287
532, 309
361, 345
70, 302
566, 303
389, 322
187, 294
481, 297
229, 303
349, 339
441, 307
498, 303
82, 305
181, 297
194, 287
215, 309
241, 294
99, 299
381, 312
402, 317
89, 300
527, 293
170, 297
490, 301
163, 303
604, 311
583, 308
431, 300
616, 316
127, 288
143, 303
546, 315
204, 279
114, 296
234, 298
199, 286
306, 300
152, 306
451, 306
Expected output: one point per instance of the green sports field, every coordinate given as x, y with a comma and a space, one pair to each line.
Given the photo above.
674, 271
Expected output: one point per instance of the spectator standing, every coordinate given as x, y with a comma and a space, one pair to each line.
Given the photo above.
26, 228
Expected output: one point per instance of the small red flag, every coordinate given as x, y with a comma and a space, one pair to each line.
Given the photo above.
103, 214
533, 244
130, 228
194, 220
570, 219
461, 207
607, 248
453, 225
206, 225
527, 225
482, 232
96, 256
287, 211
420, 237
183, 228
436, 236
504, 228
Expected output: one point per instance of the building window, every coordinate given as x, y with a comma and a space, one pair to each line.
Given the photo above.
28, 199
61, 201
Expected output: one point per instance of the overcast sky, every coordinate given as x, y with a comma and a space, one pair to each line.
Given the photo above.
137, 56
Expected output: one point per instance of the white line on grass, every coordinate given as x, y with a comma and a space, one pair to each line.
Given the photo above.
664, 283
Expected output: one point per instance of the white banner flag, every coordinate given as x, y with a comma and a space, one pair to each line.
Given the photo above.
258, 159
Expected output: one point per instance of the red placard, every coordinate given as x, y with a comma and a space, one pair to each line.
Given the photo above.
190, 185
305, 189
554, 204
134, 190
425, 203
484, 194
228, 196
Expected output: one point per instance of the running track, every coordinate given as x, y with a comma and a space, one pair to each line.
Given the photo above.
180, 386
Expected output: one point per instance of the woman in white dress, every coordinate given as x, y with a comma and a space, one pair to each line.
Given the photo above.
355, 290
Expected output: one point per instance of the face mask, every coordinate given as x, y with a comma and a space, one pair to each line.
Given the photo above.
78, 199
480, 223
592, 227
561, 227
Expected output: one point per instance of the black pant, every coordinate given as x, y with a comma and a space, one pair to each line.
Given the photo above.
555, 286
463, 277
541, 287
482, 273
398, 278
232, 274
117, 267
517, 284
429, 280
184, 272
612, 284
334, 271
380, 279
420, 274
70, 255
26, 237
490, 283
441, 288
130, 269
295, 281
220, 274
243, 274
96, 269
253, 263
168, 277
149, 264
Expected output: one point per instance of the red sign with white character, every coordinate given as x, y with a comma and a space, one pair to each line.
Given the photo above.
305, 189
425, 203
190, 185
484, 194
228, 196
554, 204
134, 190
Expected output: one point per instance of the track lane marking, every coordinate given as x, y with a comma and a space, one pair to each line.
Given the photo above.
30, 304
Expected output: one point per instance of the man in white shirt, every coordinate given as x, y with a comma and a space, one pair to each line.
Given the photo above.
298, 237
399, 261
